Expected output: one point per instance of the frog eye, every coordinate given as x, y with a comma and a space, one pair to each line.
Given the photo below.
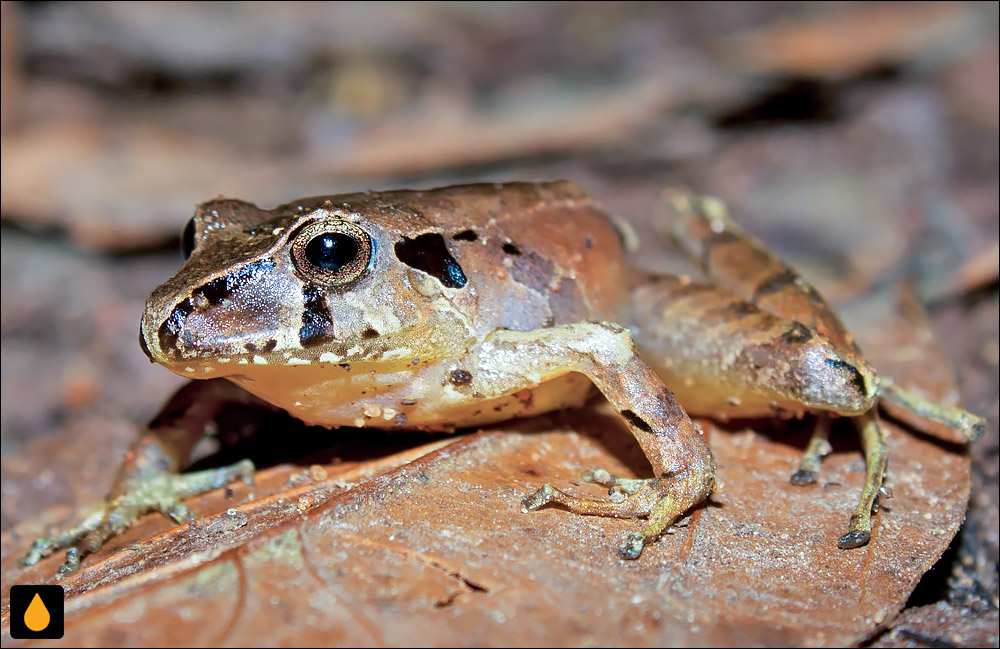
331, 253
187, 239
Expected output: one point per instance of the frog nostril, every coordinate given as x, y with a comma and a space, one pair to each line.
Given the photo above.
200, 302
171, 327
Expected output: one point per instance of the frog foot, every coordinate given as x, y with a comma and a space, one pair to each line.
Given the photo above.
649, 497
160, 491
859, 535
613, 482
804, 477
860, 530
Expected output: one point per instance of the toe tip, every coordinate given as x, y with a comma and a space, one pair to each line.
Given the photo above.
854, 539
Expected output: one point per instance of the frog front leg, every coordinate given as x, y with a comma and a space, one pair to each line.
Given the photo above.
148, 479
682, 462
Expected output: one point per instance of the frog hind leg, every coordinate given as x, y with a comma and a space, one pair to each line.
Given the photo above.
612, 481
702, 228
876, 456
901, 402
816, 450
739, 263
727, 358
682, 462
148, 479
732, 259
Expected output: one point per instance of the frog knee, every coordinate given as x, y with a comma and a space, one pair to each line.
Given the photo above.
606, 341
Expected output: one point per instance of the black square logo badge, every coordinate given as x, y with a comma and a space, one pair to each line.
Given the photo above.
36, 612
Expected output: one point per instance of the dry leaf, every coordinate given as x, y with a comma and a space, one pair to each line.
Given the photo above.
433, 545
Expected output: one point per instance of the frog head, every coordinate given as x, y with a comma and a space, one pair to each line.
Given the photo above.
328, 280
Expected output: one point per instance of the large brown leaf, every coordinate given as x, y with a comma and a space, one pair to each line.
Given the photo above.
429, 546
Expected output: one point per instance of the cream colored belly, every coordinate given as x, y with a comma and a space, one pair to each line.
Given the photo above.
407, 398
716, 398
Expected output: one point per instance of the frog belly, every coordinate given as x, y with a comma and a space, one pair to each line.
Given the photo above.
415, 398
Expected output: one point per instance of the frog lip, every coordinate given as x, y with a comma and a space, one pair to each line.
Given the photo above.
143, 345
188, 334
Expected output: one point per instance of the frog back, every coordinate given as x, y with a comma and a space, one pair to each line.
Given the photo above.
527, 255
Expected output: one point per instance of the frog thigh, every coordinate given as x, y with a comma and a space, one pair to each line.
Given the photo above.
682, 462
737, 262
725, 357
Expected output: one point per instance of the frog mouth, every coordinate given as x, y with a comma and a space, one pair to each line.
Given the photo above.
192, 334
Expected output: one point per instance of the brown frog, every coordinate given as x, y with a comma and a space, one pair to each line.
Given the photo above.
467, 305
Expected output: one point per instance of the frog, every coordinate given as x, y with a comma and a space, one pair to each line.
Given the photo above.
464, 306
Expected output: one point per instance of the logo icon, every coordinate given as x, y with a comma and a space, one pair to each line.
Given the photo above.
36, 612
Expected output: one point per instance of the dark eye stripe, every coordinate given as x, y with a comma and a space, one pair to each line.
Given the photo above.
221, 288
170, 329
317, 323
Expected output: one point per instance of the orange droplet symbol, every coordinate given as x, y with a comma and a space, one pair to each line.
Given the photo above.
37, 616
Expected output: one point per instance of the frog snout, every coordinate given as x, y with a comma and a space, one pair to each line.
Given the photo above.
150, 337
143, 345
162, 322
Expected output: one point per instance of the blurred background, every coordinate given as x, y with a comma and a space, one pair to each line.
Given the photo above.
860, 140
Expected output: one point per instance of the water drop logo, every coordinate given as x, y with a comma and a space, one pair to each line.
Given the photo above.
36, 612
37, 616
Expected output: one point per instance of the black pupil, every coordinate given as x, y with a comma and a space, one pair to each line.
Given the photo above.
331, 251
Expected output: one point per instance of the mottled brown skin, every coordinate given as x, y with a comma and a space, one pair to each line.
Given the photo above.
467, 305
